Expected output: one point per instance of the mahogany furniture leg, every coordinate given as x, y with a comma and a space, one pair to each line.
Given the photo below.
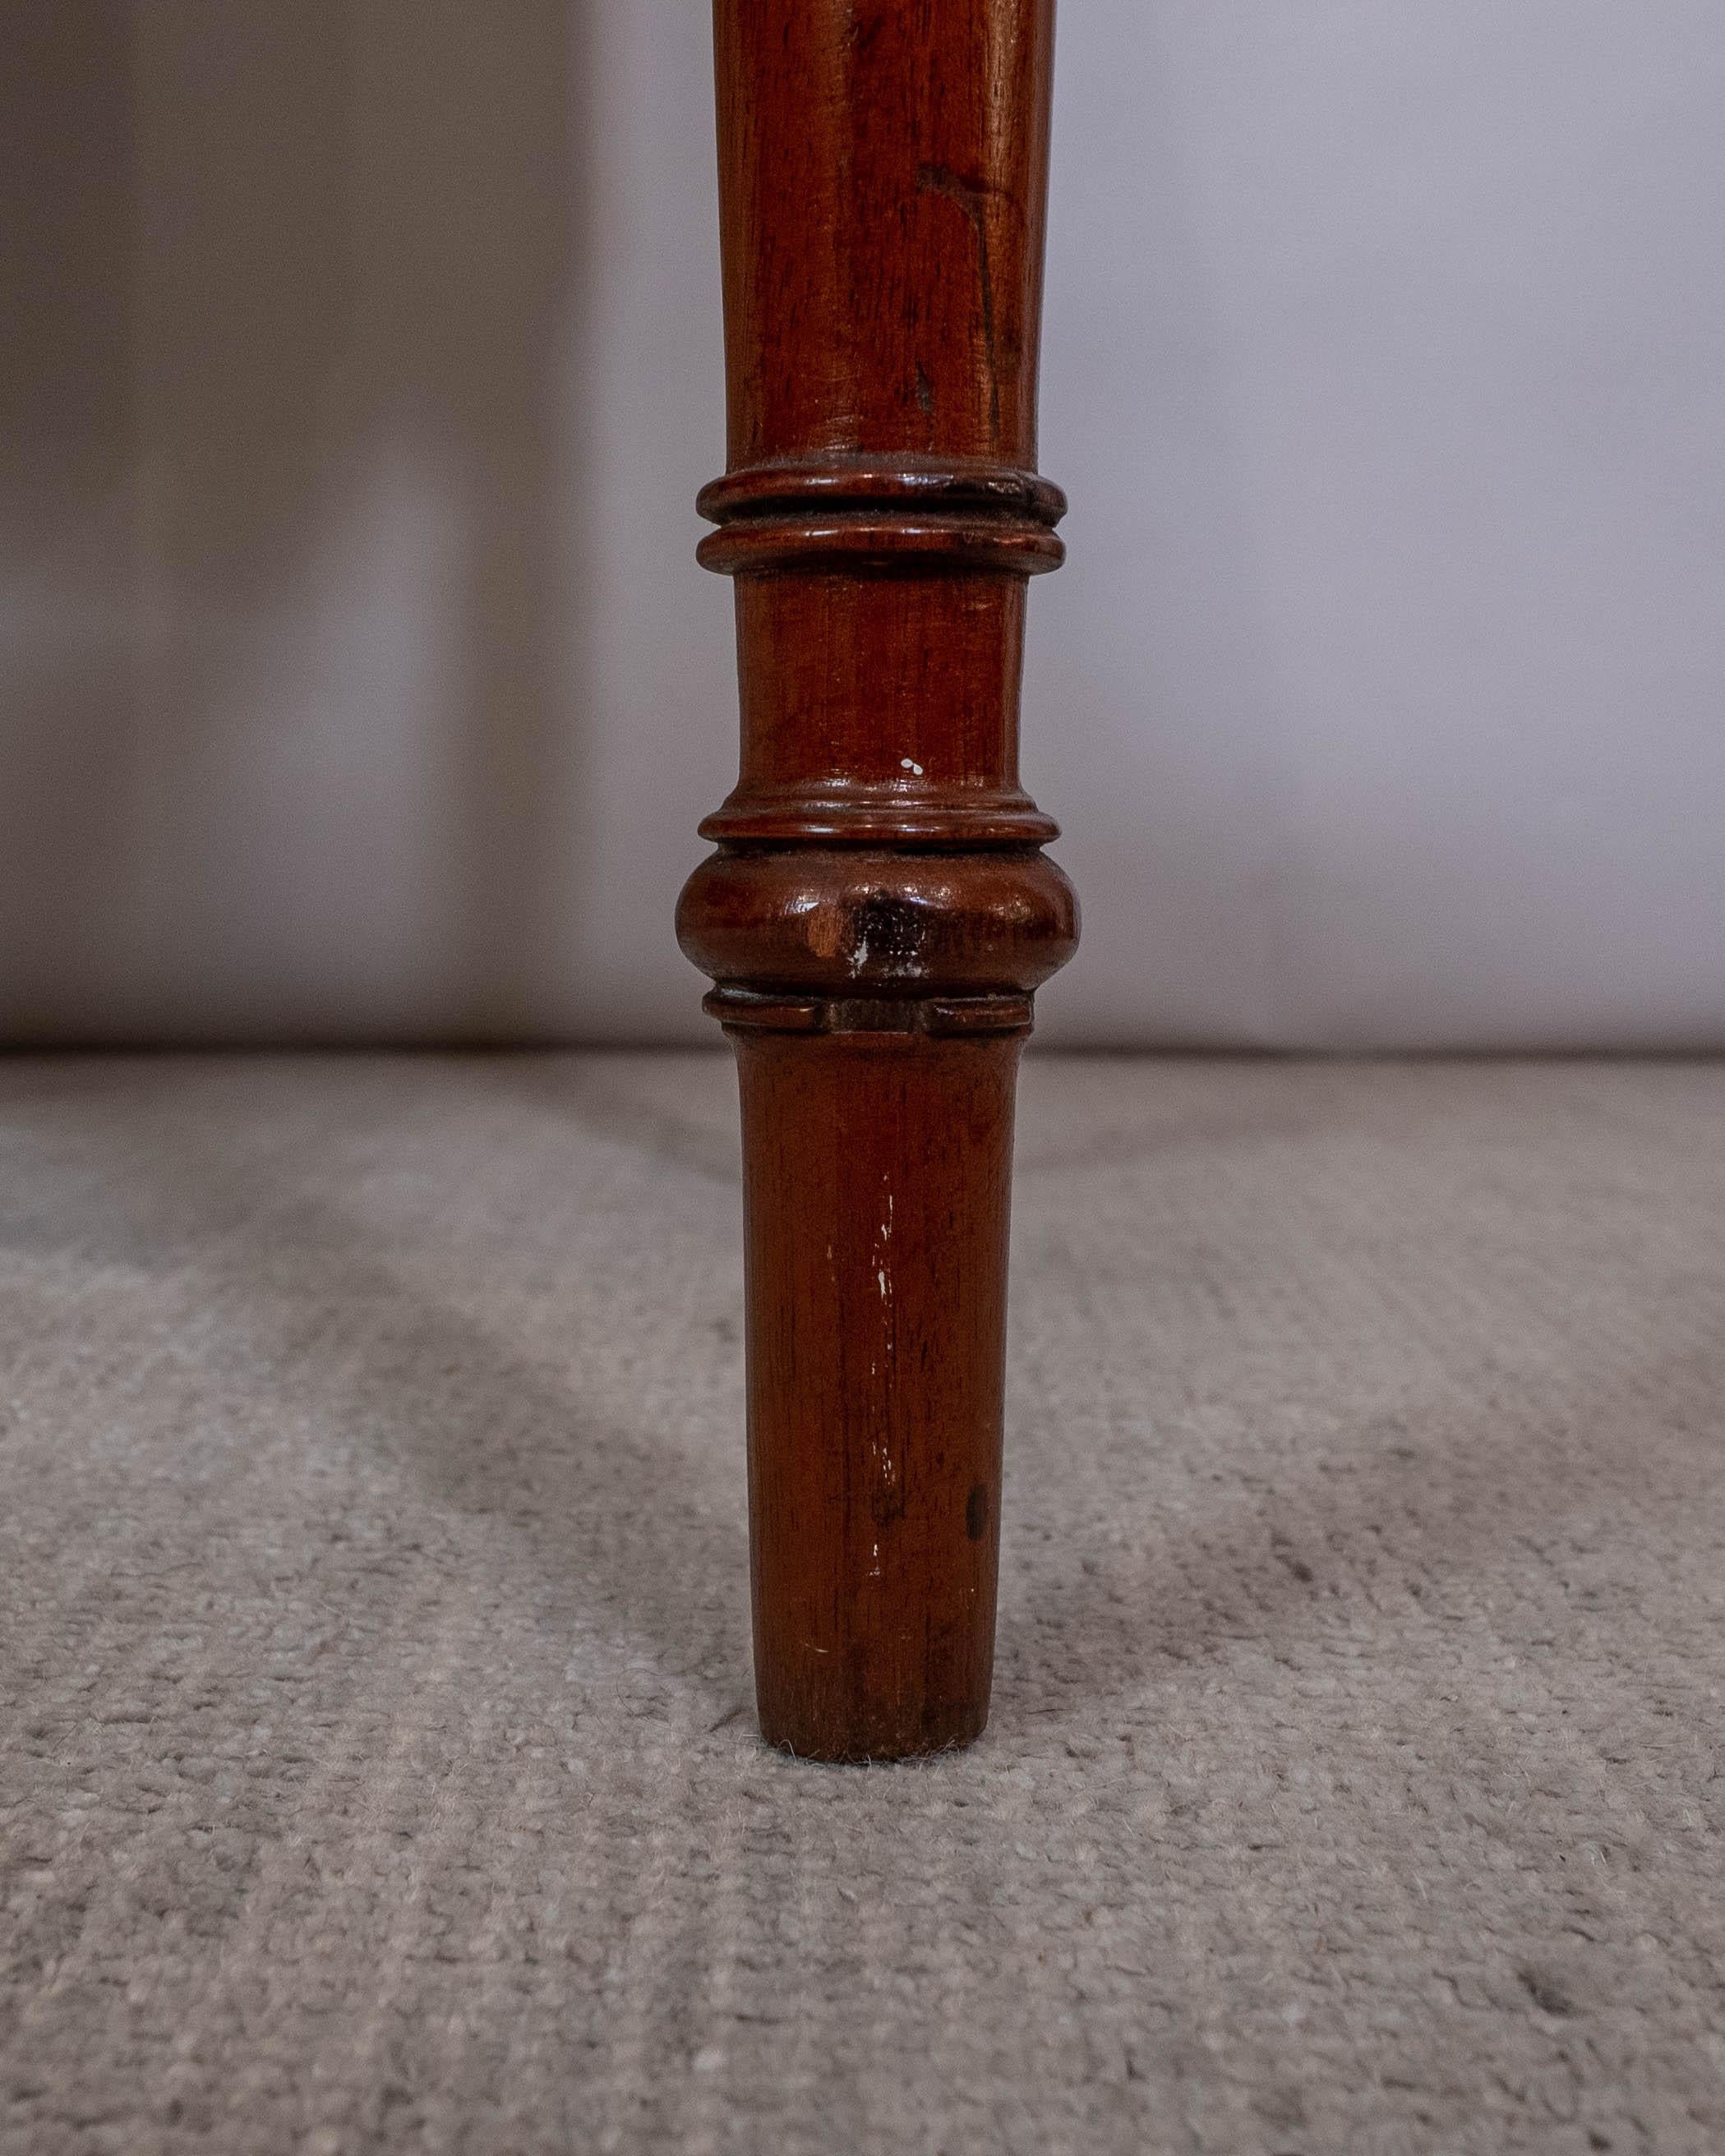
878, 910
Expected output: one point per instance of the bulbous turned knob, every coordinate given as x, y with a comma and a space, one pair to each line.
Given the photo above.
845, 924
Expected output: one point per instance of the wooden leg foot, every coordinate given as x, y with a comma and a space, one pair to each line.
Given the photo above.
878, 1169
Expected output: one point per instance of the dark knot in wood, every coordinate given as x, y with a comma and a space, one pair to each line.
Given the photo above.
848, 923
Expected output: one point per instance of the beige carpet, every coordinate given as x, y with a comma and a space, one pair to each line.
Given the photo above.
378, 1767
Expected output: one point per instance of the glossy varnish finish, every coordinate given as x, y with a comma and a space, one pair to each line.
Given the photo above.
878, 913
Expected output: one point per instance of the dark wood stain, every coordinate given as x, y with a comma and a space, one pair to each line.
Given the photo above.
976, 1510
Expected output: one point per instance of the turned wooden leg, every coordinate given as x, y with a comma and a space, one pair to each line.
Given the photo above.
878, 910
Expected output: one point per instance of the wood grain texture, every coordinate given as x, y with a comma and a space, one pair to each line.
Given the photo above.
878, 914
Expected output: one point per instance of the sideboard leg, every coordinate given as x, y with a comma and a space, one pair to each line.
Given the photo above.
879, 911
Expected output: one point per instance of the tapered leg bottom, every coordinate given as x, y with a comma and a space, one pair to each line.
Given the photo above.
877, 1183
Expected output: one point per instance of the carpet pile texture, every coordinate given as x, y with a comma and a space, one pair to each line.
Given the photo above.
379, 1771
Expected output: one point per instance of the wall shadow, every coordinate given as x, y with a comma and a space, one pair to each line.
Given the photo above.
252, 255
67, 434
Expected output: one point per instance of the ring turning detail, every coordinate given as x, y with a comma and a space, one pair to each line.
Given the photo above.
901, 515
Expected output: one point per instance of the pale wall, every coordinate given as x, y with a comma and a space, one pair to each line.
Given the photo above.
362, 360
